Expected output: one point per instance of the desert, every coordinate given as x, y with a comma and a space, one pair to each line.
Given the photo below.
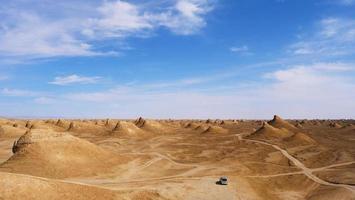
177, 100
177, 159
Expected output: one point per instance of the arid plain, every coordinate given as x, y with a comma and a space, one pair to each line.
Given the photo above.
177, 159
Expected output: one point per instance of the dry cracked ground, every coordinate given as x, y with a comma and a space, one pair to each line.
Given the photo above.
177, 159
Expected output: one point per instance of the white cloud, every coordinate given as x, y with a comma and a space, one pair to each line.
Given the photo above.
242, 50
44, 100
18, 93
33, 36
320, 83
310, 90
118, 19
74, 79
334, 37
298, 91
239, 49
189, 18
51, 30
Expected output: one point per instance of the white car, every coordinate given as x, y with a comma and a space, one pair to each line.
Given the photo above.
223, 181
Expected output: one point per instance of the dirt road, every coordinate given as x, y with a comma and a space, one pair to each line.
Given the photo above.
305, 170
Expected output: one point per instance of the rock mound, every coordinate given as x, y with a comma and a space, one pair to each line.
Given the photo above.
58, 155
299, 125
301, 138
2, 132
269, 132
214, 129
124, 128
335, 125
11, 131
140, 122
349, 126
283, 131
278, 122
152, 126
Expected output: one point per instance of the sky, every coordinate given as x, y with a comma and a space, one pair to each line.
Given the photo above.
177, 59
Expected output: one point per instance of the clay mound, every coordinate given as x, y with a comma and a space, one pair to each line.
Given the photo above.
269, 132
2, 132
39, 124
123, 128
335, 125
349, 126
62, 123
214, 129
140, 122
278, 122
107, 122
304, 122
200, 127
299, 125
301, 138
71, 126
219, 122
316, 123
187, 125
90, 128
11, 131
28, 124
152, 126
117, 127
58, 155
192, 125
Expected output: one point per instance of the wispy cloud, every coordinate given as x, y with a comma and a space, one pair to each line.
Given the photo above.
44, 31
242, 50
346, 2
3, 77
297, 91
313, 90
29, 35
75, 79
44, 100
334, 37
186, 17
310, 90
17, 92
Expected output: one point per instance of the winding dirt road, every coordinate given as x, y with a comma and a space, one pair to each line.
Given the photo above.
305, 170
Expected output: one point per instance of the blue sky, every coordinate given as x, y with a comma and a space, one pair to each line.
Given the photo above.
177, 58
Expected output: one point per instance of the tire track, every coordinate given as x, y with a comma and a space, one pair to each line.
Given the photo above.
305, 170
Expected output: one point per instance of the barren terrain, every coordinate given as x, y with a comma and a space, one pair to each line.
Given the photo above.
177, 159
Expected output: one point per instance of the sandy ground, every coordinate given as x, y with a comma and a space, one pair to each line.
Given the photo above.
181, 159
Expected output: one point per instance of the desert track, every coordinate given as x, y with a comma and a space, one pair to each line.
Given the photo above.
305, 170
